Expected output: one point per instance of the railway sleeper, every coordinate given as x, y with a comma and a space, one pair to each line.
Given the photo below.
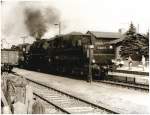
80, 108
50, 109
75, 110
66, 102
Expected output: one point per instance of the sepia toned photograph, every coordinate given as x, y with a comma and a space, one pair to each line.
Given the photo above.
75, 57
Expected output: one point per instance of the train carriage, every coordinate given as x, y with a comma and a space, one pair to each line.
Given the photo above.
9, 58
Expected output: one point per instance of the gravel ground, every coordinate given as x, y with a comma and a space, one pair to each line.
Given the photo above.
119, 99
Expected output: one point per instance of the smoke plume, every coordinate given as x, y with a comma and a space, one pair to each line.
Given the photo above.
38, 20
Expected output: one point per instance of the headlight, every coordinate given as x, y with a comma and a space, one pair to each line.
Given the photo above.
24, 49
111, 47
93, 61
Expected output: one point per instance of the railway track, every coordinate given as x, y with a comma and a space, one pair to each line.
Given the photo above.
50, 108
64, 102
127, 85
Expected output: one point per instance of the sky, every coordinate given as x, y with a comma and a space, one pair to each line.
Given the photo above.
76, 15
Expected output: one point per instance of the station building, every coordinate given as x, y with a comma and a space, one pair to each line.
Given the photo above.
108, 38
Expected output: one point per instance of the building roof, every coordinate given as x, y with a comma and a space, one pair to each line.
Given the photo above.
117, 40
75, 33
98, 34
123, 37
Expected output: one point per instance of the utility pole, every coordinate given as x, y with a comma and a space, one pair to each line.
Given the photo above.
59, 27
2, 42
138, 28
147, 33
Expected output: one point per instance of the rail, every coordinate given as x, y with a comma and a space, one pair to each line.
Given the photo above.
127, 85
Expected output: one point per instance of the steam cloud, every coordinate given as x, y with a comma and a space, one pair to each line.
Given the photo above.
38, 20
32, 19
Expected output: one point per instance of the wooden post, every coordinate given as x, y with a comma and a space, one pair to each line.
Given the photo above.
4, 101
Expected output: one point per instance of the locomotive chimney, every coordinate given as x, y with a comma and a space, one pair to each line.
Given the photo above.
37, 37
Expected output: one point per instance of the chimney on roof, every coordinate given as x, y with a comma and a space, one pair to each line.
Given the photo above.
120, 31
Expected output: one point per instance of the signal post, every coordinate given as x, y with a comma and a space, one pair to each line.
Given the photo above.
90, 47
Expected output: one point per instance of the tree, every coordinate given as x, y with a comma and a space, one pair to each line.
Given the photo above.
145, 48
132, 29
134, 44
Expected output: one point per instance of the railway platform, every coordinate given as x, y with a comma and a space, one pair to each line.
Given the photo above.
134, 75
119, 99
130, 77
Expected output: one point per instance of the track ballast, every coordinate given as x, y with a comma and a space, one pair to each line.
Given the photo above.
65, 102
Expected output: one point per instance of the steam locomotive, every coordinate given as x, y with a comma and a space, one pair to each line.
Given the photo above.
71, 54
